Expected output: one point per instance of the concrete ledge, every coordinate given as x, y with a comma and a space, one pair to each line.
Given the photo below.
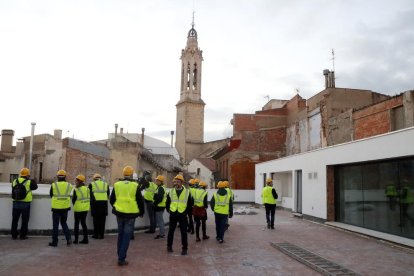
375, 234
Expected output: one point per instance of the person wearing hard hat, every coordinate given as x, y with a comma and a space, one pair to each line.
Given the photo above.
60, 194
230, 191
99, 191
269, 197
149, 191
22, 188
128, 204
178, 205
222, 206
190, 221
81, 206
160, 199
199, 210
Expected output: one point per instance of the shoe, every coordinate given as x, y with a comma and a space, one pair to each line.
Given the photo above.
192, 232
24, 238
52, 244
149, 232
122, 263
206, 237
14, 238
69, 242
159, 237
75, 242
272, 227
101, 237
95, 237
221, 241
84, 242
132, 237
198, 239
169, 249
268, 226
184, 252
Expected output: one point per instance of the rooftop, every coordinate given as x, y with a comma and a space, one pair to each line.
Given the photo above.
247, 251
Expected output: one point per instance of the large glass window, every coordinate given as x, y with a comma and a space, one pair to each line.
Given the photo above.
377, 195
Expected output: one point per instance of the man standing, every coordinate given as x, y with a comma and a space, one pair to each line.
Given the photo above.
178, 205
269, 197
21, 202
81, 206
222, 206
99, 205
60, 194
149, 191
160, 199
190, 221
127, 203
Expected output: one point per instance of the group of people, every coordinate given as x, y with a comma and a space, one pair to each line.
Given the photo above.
184, 205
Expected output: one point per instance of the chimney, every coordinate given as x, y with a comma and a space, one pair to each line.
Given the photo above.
172, 138
121, 130
116, 130
329, 78
57, 134
7, 140
142, 136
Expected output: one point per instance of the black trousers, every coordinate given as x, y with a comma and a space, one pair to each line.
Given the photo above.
190, 225
180, 218
99, 226
202, 221
270, 214
151, 215
23, 209
80, 217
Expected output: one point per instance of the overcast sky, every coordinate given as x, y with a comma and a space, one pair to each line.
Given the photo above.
82, 66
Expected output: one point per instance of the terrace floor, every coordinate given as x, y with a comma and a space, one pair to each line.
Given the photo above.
247, 250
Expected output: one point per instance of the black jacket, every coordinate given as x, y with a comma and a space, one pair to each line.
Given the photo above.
158, 197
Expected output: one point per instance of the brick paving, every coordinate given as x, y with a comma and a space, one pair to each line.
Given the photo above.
246, 251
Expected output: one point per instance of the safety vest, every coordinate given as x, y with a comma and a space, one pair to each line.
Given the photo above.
222, 204
267, 195
29, 196
408, 198
82, 202
230, 192
164, 199
150, 191
199, 195
125, 192
192, 190
100, 190
391, 191
179, 203
61, 195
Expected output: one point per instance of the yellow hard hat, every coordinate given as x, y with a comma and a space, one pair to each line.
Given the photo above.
191, 181
160, 178
196, 181
128, 171
179, 177
226, 183
203, 184
221, 184
81, 178
268, 180
24, 172
61, 173
96, 176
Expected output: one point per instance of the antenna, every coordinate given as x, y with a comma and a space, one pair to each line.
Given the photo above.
267, 97
333, 60
192, 23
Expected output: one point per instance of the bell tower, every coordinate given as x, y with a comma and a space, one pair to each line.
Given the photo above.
190, 107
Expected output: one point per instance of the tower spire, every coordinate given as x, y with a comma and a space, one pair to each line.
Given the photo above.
192, 23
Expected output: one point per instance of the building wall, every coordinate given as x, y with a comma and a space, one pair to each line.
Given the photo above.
315, 163
205, 174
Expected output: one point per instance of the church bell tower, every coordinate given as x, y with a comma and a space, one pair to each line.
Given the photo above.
190, 107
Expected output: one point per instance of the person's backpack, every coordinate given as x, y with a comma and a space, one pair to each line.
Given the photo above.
19, 191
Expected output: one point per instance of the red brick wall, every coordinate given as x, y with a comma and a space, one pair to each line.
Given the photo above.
263, 141
375, 119
242, 175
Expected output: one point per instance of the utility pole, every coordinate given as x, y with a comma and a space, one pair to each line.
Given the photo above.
31, 146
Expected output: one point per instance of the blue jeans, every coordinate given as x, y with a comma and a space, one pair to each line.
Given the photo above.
159, 217
220, 225
61, 216
125, 228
